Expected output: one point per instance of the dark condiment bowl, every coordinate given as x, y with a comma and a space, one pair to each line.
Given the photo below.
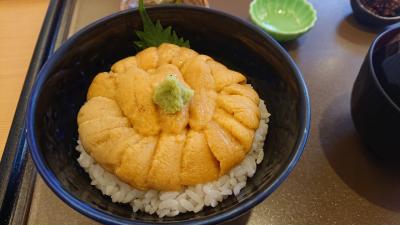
366, 17
376, 116
63, 82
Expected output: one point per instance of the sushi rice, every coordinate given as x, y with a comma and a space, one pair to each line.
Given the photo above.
189, 199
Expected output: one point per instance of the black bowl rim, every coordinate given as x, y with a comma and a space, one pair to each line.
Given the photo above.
371, 66
107, 218
385, 18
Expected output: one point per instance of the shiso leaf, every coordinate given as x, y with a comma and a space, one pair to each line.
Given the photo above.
153, 34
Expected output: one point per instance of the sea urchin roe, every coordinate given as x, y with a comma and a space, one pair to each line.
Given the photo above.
191, 122
171, 95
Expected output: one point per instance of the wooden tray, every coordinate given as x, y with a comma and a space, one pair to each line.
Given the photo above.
17, 172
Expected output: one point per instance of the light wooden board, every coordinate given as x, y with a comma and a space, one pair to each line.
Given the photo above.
20, 22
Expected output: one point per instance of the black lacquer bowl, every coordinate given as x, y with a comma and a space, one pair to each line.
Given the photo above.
63, 82
375, 112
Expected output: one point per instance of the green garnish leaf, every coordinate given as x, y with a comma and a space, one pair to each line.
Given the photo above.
153, 35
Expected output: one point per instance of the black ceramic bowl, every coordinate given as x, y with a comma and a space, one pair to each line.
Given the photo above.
376, 116
63, 82
366, 17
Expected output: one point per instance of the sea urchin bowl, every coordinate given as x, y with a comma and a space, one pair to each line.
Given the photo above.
63, 82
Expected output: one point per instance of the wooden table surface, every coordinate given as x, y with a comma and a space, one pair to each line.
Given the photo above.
20, 22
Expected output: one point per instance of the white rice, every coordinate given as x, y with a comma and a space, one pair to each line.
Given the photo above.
191, 198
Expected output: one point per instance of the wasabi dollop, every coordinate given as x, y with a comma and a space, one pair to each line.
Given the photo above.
172, 95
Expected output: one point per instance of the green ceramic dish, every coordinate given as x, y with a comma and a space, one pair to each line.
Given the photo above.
284, 20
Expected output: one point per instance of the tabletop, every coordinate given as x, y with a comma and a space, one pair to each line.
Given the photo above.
337, 181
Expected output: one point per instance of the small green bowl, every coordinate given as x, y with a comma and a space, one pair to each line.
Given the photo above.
284, 20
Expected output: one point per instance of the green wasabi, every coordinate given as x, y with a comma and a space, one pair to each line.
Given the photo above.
171, 95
